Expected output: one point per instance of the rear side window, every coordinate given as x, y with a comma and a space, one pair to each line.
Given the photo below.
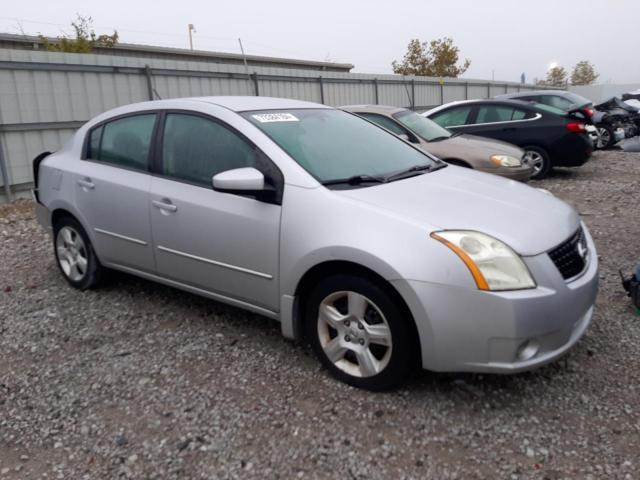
385, 123
452, 117
498, 113
494, 113
124, 142
195, 149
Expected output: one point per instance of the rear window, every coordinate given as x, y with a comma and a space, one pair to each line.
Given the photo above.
550, 109
577, 99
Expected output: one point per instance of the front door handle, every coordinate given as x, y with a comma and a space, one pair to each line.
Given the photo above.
165, 204
86, 183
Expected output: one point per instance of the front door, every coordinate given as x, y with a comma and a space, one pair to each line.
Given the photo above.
224, 243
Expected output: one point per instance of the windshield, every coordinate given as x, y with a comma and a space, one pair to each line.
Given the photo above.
333, 145
427, 129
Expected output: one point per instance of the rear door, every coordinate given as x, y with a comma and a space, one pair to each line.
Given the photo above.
224, 243
112, 190
503, 122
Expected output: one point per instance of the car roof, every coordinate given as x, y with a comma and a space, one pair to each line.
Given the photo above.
247, 103
369, 108
560, 93
491, 101
234, 103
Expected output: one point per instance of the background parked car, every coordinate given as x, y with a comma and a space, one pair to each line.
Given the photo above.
606, 129
549, 136
491, 156
622, 116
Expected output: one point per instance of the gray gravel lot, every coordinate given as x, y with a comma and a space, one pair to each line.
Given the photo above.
138, 380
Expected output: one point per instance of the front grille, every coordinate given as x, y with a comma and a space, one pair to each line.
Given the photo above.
570, 257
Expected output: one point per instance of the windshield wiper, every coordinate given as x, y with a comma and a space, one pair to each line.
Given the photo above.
356, 180
411, 171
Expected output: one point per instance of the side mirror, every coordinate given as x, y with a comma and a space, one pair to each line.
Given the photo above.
239, 180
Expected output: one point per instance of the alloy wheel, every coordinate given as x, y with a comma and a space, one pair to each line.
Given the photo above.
535, 160
72, 253
354, 334
604, 137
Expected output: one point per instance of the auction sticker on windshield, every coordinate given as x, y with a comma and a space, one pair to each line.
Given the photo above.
275, 117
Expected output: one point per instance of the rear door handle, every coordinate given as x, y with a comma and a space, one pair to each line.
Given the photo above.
87, 183
165, 204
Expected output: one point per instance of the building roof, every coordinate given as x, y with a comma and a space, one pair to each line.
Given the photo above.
30, 42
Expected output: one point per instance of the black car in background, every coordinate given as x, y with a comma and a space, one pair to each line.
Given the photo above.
610, 121
549, 136
562, 99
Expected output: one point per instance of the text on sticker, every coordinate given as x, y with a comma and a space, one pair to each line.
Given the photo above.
275, 117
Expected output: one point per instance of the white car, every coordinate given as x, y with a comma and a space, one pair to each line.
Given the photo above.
380, 255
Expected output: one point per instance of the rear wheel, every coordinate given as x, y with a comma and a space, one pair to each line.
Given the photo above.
74, 254
606, 136
359, 332
538, 159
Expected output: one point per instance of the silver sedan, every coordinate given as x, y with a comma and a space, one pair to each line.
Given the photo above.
378, 254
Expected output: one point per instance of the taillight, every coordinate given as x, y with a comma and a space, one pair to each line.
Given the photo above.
576, 127
589, 111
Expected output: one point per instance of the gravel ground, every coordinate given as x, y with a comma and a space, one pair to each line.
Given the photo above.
138, 380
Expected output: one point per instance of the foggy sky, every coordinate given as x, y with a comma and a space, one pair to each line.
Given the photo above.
501, 37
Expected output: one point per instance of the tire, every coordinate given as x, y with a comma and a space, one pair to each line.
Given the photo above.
539, 159
607, 136
75, 256
360, 333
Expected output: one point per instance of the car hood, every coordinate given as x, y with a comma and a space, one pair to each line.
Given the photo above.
470, 146
488, 144
453, 198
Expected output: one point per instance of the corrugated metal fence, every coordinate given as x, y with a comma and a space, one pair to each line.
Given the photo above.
45, 96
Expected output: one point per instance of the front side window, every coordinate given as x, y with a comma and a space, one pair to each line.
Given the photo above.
123, 142
195, 149
333, 145
427, 129
452, 117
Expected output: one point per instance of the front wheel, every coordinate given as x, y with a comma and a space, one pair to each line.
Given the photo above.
359, 332
75, 255
539, 160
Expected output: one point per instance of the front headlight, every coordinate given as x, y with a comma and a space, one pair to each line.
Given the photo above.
493, 265
505, 161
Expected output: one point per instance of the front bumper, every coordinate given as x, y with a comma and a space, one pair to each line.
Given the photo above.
521, 174
462, 329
